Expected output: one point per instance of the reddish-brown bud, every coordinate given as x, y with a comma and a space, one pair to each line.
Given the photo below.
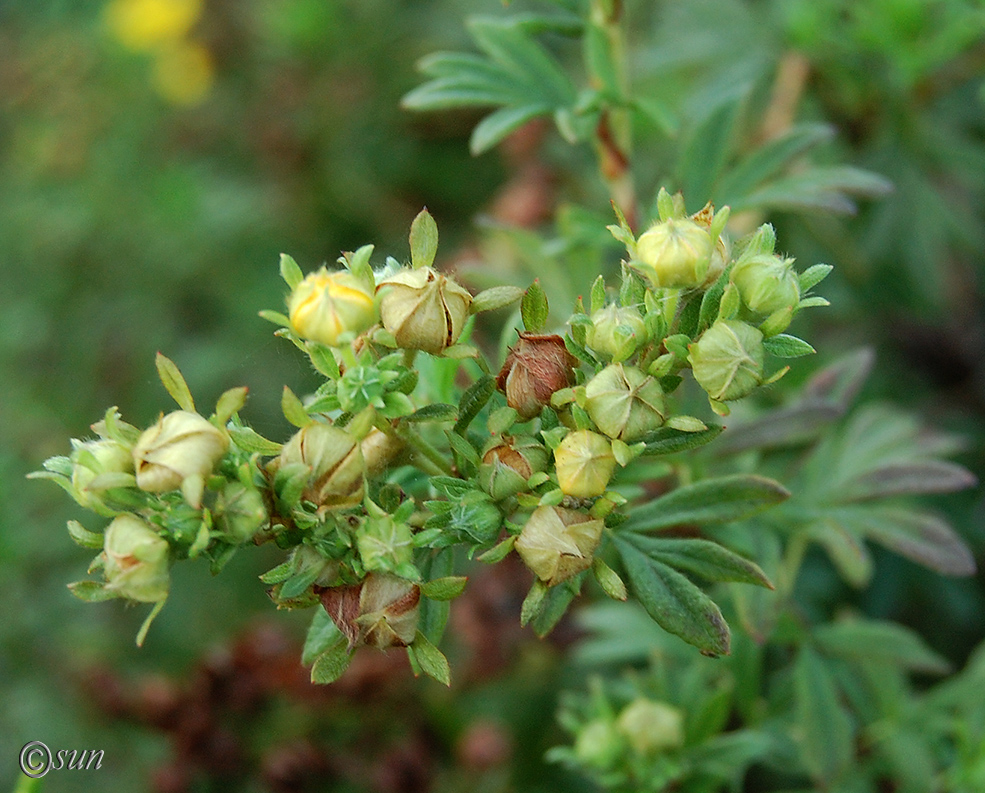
536, 367
380, 611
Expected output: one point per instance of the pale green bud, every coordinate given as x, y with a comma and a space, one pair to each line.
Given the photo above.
599, 744
727, 360
92, 458
136, 560
584, 464
178, 446
325, 305
766, 283
557, 543
423, 309
384, 543
624, 402
651, 727
675, 253
508, 463
616, 332
239, 512
336, 462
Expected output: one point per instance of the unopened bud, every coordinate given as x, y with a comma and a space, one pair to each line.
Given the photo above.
624, 402
599, 744
536, 367
509, 463
727, 360
92, 458
675, 253
384, 543
616, 332
423, 309
584, 463
326, 305
651, 727
239, 512
766, 283
557, 543
381, 611
380, 450
178, 446
336, 462
136, 560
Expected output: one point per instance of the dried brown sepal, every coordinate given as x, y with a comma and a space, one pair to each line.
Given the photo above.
536, 367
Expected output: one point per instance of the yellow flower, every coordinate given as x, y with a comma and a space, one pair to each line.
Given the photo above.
325, 305
146, 25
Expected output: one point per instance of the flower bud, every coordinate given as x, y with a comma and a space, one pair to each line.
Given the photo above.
675, 253
727, 360
536, 367
584, 463
336, 462
509, 463
92, 458
718, 262
766, 283
616, 332
624, 402
178, 446
599, 745
384, 543
325, 305
136, 560
557, 543
381, 611
423, 309
239, 512
379, 451
651, 727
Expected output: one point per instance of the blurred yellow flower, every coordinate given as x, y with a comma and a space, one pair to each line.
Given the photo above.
145, 25
183, 73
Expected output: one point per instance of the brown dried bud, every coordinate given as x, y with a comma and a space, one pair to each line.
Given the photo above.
536, 367
381, 611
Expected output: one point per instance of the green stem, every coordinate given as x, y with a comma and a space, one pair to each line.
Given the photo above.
425, 449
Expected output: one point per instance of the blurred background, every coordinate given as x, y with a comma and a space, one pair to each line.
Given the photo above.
155, 158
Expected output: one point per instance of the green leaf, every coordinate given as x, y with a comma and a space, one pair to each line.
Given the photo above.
784, 346
298, 584
437, 411
706, 150
598, 295
812, 276
496, 297
473, 401
230, 402
711, 501
555, 605
276, 317
925, 539
434, 613
667, 440
709, 560
423, 239
791, 426
92, 591
726, 756
840, 382
447, 588
322, 634
82, 536
820, 187
281, 572
823, 726
329, 666
674, 603
534, 308
769, 159
910, 477
430, 659
290, 271
322, 359
845, 550
882, 642
174, 383
251, 442
500, 123
293, 409
499, 551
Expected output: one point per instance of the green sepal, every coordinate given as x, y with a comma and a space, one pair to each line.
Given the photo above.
290, 271
332, 663
174, 383
429, 659
534, 308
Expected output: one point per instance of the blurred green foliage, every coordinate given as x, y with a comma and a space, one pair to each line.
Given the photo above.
130, 224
